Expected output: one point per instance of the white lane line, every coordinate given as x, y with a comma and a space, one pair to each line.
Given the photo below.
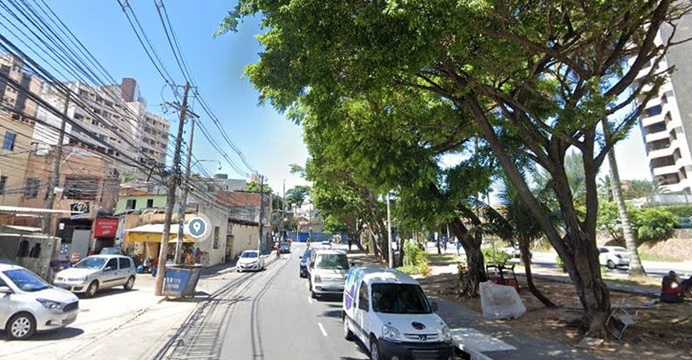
310, 299
322, 328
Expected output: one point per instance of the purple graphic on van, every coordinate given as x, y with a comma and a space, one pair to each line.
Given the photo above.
349, 299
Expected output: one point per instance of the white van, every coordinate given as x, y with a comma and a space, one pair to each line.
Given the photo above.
389, 312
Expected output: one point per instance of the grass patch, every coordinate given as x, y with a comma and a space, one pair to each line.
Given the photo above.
654, 257
442, 258
421, 269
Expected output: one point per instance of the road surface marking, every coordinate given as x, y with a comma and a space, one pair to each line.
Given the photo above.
322, 328
310, 299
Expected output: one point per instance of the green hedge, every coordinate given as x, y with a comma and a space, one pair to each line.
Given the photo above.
678, 210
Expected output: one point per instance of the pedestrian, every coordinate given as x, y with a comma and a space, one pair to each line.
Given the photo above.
673, 289
457, 243
349, 244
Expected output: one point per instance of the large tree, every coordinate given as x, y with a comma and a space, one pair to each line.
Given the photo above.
547, 73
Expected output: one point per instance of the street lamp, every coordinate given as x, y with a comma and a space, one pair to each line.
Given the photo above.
389, 234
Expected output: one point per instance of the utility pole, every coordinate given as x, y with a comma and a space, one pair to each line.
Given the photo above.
261, 204
283, 219
182, 205
55, 178
170, 198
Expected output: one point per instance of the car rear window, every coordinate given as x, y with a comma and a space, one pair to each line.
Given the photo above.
332, 261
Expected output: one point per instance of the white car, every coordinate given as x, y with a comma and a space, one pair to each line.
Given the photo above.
250, 260
327, 274
29, 304
98, 272
390, 314
613, 256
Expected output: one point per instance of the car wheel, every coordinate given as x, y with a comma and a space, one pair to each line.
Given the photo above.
611, 264
348, 334
129, 284
238, 270
91, 290
21, 326
374, 350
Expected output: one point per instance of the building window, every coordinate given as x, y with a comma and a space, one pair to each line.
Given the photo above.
23, 250
130, 204
150, 203
31, 188
3, 181
654, 110
216, 237
8, 142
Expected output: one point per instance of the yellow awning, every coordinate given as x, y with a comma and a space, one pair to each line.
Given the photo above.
154, 237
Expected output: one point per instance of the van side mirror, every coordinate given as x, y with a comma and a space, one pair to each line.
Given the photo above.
363, 305
5, 290
433, 305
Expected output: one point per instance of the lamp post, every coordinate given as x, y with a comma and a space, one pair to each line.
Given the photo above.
389, 234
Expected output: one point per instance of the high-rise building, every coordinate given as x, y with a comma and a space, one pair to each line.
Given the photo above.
16, 127
666, 122
117, 115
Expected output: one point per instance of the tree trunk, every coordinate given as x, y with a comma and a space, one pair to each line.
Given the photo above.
636, 268
578, 249
474, 259
526, 258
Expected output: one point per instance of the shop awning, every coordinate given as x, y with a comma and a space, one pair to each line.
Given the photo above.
28, 210
153, 233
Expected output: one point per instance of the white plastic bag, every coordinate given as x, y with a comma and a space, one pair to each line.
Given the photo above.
500, 301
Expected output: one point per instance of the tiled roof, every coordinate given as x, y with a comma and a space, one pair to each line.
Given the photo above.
238, 198
133, 192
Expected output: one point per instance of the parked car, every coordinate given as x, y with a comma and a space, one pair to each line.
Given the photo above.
250, 260
284, 247
326, 244
98, 272
613, 256
29, 304
304, 259
388, 311
327, 272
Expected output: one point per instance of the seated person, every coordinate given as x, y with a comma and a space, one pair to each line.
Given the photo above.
672, 289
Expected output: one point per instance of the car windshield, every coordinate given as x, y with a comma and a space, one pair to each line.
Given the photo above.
250, 254
332, 261
26, 280
399, 299
91, 263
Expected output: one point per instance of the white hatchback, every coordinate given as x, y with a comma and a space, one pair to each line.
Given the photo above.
29, 304
250, 260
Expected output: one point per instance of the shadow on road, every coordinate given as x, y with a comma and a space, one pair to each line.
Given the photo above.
58, 334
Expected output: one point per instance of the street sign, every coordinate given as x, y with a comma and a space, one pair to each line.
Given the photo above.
198, 227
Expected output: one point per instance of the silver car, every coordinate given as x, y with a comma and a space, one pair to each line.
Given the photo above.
98, 272
327, 272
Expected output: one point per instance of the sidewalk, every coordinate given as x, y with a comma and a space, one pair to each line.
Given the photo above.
482, 338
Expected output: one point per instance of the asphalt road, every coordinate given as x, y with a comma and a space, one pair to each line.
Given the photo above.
265, 315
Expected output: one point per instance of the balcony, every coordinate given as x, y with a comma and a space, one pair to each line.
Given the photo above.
649, 120
665, 170
659, 153
661, 135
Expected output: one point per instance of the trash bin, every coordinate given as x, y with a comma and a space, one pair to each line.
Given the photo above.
181, 280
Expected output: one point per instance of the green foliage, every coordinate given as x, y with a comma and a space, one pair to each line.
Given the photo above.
654, 224
297, 195
501, 257
415, 260
253, 186
647, 223
678, 210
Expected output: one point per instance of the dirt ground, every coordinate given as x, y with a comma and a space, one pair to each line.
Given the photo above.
662, 331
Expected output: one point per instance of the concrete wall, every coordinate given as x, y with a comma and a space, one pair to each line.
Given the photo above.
244, 238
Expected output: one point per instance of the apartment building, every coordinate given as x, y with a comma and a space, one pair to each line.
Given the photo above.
666, 122
117, 116
16, 128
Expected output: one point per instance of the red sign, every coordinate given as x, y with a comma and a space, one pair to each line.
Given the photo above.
105, 227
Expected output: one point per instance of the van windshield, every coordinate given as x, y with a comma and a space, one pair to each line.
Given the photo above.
399, 299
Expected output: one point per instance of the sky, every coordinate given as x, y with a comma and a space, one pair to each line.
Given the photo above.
269, 141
